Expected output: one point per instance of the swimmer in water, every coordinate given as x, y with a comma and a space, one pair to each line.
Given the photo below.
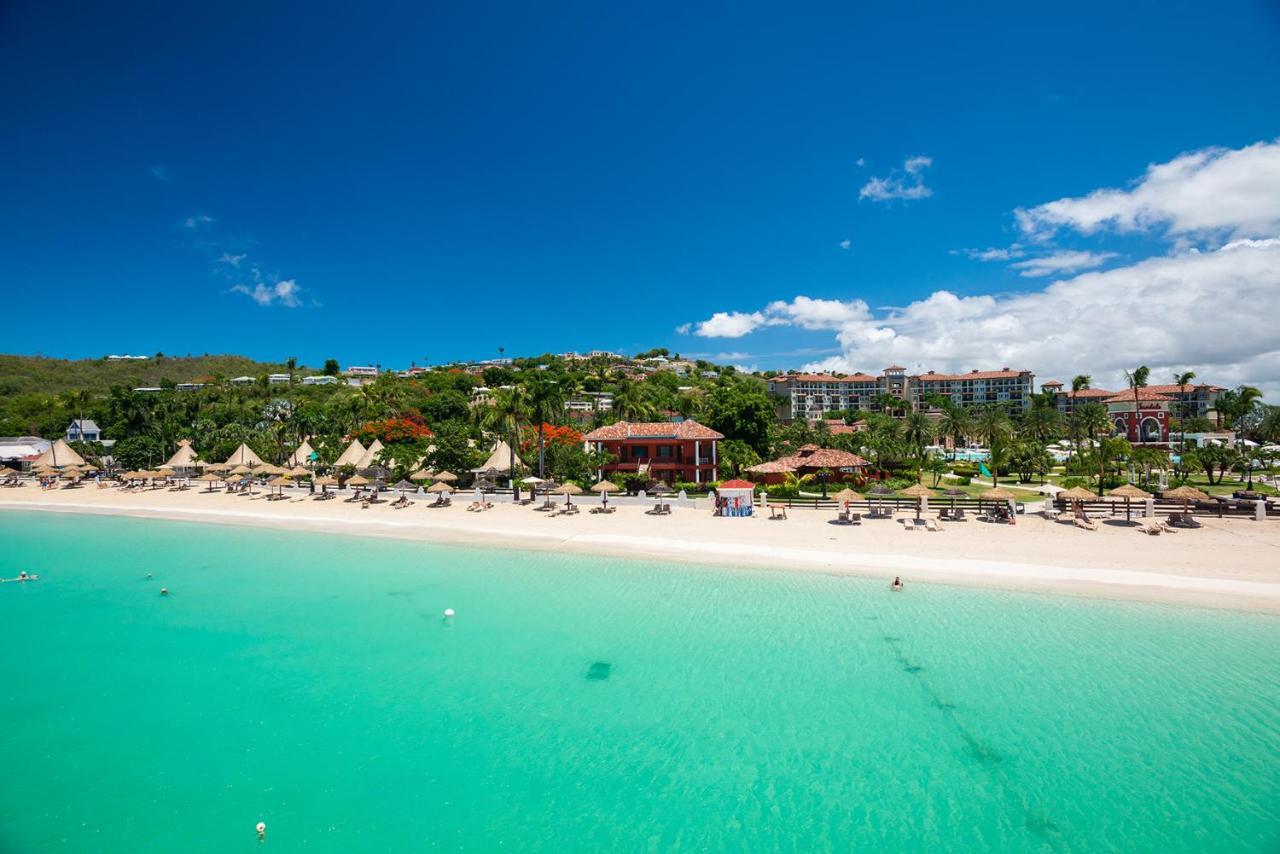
262, 831
896, 586
149, 576
164, 591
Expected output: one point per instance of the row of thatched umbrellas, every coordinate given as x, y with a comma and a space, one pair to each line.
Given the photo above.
920, 492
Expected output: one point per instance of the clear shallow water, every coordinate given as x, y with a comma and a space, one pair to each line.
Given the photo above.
583, 704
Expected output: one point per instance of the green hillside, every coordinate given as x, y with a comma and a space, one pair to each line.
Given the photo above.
20, 374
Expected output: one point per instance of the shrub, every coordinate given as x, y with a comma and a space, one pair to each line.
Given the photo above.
962, 481
688, 487
1072, 482
782, 490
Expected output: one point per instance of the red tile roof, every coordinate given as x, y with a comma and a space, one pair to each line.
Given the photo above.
1177, 389
811, 457
973, 375
1148, 394
652, 430
1090, 392
737, 484
1051, 383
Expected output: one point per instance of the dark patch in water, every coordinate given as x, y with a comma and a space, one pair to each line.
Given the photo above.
1042, 825
913, 668
944, 705
404, 593
978, 750
599, 671
871, 618
891, 638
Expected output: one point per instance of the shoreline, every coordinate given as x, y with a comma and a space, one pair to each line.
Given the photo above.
971, 554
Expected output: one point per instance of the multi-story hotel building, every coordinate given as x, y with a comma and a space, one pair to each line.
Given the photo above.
812, 396
1197, 400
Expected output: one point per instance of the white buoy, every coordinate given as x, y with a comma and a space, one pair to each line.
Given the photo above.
448, 612
262, 829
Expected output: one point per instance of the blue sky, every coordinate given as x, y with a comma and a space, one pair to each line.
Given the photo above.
433, 181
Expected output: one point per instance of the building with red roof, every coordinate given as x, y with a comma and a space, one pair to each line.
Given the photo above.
663, 450
812, 396
811, 459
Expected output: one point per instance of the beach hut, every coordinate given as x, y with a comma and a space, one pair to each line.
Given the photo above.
499, 461
370, 455
569, 490
920, 493
244, 456
351, 455
735, 498
59, 455
302, 455
604, 487
184, 457
1129, 492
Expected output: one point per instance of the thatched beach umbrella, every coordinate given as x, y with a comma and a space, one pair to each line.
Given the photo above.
209, 478
604, 487
919, 492
1129, 492
299, 471
444, 477
996, 493
567, 490
357, 480
242, 469
1186, 494
953, 492
405, 486
1077, 495
439, 488
846, 496
422, 474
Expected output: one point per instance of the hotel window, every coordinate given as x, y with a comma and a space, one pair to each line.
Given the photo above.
664, 451
639, 452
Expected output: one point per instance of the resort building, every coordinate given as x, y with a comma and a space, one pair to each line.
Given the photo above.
1067, 400
243, 381
279, 379
320, 379
670, 452
591, 401
811, 459
19, 452
812, 396
83, 431
1145, 424
1195, 401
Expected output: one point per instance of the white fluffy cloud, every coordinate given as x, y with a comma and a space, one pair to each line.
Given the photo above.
197, 222
1213, 191
904, 183
1061, 263
727, 324
1211, 312
285, 293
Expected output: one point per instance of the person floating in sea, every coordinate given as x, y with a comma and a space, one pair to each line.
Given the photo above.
164, 591
22, 576
896, 586
262, 831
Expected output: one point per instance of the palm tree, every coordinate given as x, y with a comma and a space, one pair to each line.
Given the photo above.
1094, 422
1042, 423
545, 400
1183, 380
508, 409
631, 403
918, 429
995, 428
956, 423
1137, 379
1236, 404
1080, 382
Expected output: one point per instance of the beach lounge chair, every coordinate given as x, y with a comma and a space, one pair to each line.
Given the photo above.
776, 511
1149, 526
932, 525
1084, 523
908, 524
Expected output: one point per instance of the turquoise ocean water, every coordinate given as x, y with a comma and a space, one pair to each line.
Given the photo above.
585, 704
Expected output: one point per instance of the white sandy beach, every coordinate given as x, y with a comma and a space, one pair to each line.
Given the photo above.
1231, 563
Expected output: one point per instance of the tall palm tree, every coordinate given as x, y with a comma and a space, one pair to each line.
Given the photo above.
508, 410
917, 429
995, 428
1095, 422
1183, 380
1080, 382
1137, 379
545, 400
1237, 403
1042, 423
956, 423
632, 403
